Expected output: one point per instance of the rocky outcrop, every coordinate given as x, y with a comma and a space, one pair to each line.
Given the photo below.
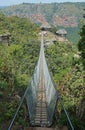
66, 21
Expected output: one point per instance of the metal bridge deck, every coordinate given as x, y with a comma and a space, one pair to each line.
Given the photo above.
41, 118
40, 128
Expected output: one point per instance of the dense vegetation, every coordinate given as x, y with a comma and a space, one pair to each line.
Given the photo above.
81, 44
67, 70
17, 63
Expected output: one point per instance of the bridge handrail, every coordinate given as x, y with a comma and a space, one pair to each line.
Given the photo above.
66, 113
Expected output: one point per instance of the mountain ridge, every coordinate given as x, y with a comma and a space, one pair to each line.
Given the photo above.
48, 11
67, 15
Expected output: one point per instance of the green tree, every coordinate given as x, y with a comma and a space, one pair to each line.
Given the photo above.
81, 44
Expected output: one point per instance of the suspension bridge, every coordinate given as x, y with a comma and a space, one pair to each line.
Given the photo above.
41, 97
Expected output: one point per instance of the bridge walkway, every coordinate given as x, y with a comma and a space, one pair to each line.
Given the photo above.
41, 118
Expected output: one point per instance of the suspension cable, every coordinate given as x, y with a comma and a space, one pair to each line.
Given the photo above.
62, 104
20, 104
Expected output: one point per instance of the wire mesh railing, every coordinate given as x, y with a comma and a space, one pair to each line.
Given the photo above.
50, 93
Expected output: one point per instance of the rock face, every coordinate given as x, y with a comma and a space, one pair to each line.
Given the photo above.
66, 21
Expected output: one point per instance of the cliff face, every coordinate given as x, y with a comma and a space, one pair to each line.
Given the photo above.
66, 21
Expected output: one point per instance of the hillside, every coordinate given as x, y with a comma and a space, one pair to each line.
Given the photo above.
17, 63
67, 15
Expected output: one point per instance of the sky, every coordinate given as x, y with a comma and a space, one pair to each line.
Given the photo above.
14, 2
